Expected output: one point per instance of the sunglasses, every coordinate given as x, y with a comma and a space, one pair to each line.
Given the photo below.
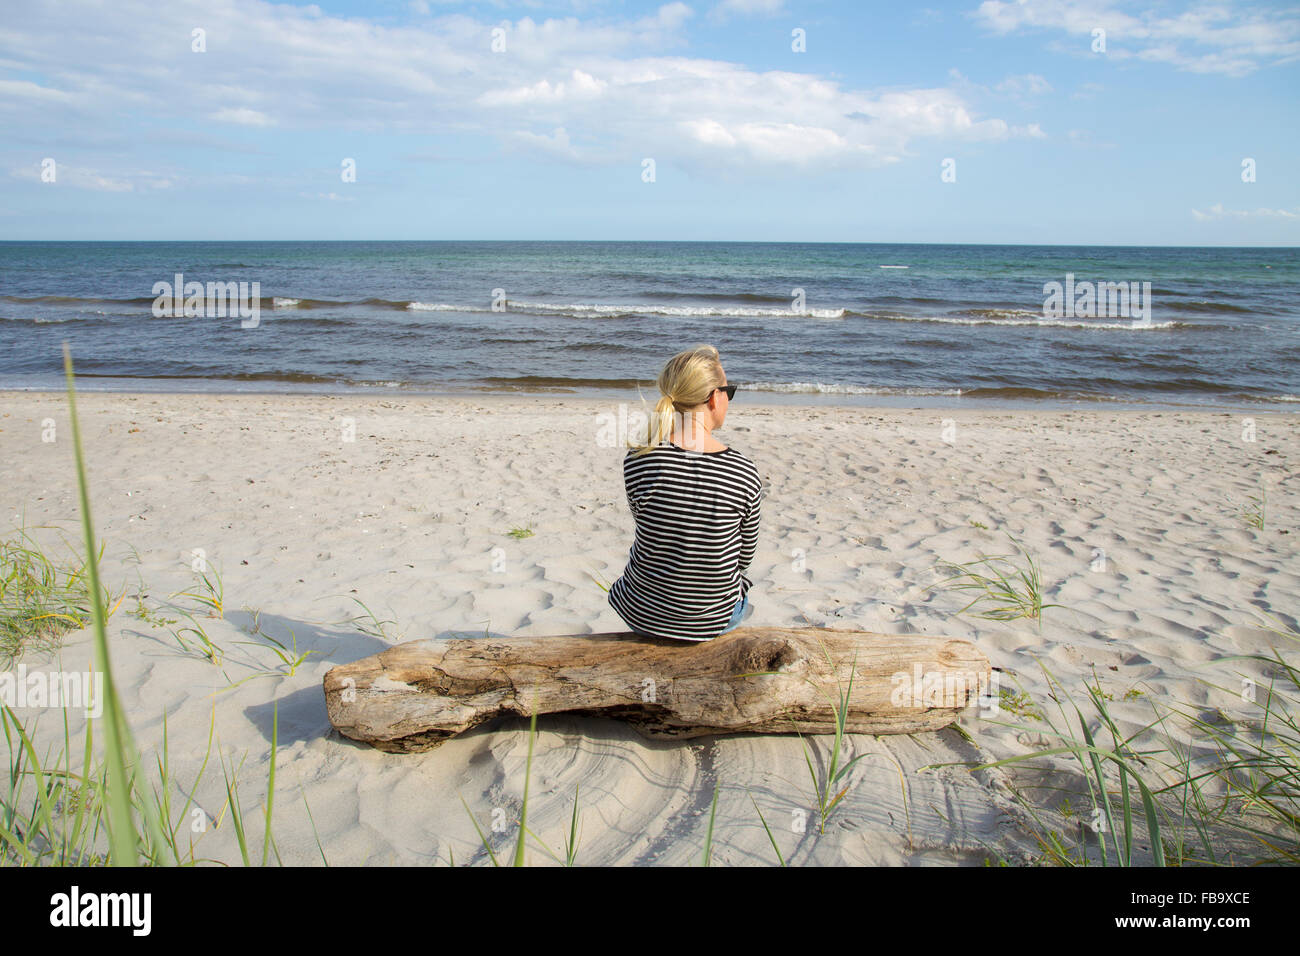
729, 389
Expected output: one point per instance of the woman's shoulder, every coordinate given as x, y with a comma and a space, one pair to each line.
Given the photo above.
738, 461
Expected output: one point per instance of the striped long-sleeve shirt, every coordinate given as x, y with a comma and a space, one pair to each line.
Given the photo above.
696, 533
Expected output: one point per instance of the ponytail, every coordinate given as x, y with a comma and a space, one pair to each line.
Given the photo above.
687, 380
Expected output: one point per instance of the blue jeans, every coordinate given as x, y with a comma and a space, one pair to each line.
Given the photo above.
742, 611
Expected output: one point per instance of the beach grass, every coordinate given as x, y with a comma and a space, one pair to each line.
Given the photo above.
288, 655
1257, 760
1149, 799
41, 598
198, 641
708, 836
768, 830
105, 813
1006, 587
824, 785
1253, 514
1109, 773
571, 839
369, 624
209, 592
825, 795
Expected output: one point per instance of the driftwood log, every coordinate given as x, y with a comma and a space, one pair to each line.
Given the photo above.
774, 680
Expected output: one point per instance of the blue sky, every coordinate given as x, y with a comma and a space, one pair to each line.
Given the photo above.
1052, 141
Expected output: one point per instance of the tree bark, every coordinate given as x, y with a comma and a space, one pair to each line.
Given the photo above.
767, 680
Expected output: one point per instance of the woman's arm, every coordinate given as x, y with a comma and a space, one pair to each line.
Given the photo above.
749, 532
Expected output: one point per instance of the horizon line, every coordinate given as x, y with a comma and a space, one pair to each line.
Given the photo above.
750, 242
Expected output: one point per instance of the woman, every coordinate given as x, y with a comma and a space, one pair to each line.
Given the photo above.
696, 505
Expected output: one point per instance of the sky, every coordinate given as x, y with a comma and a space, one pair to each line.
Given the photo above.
1053, 122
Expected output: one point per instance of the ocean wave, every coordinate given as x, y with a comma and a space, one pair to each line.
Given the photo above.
722, 296
73, 300
436, 307
1004, 313
582, 310
837, 388
1024, 317
1204, 307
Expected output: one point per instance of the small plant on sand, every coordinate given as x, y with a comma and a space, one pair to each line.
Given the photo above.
288, 654
525, 532
195, 639
824, 785
1006, 587
150, 616
369, 624
142, 612
570, 839
236, 810
40, 599
209, 592
1258, 761
768, 830
708, 836
1018, 703
1111, 774
1253, 513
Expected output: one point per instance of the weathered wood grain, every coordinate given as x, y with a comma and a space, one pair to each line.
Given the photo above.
414, 696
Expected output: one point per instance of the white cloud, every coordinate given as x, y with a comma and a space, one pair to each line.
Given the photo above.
1217, 211
242, 116
557, 144
1230, 41
12, 90
78, 177
612, 86
1026, 84
578, 85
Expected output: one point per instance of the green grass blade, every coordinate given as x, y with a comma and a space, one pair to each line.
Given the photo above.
122, 833
780, 859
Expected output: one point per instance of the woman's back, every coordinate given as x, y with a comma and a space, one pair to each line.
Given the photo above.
697, 516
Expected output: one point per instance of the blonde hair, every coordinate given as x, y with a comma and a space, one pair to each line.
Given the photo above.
687, 380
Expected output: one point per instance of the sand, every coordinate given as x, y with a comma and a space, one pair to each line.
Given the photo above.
1134, 517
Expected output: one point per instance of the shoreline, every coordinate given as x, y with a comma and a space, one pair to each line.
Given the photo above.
756, 398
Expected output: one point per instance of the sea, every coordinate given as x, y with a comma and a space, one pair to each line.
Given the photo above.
852, 323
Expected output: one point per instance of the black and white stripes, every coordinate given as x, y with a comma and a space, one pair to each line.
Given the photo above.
696, 533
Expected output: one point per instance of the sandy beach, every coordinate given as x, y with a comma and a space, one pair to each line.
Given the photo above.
308, 504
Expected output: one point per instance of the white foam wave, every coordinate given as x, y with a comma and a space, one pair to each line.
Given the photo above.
572, 308
284, 302
443, 307
1034, 318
